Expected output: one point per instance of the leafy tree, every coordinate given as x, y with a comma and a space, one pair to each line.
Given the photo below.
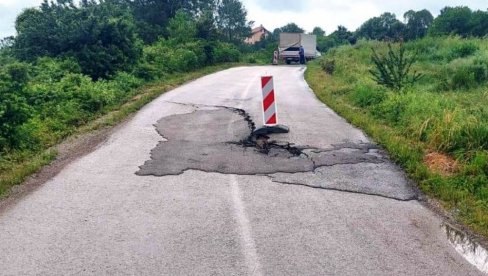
100, 36
318, 31
341, 36
231, 20
291, 28
152, 16
455, 20
181, 28
384, 27
479, 23
205, 26
417, 23
342, 33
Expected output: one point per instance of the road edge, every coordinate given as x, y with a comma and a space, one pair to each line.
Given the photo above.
89, 137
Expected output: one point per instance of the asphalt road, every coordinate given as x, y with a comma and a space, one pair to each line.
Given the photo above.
174, 192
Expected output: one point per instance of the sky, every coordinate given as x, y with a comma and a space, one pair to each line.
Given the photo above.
327, 14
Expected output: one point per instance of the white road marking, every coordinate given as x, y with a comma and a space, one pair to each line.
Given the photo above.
246, 240
247, 243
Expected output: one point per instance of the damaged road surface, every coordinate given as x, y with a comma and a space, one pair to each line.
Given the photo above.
233, 149
186, 188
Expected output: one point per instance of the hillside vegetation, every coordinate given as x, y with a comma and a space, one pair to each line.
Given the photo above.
437, 128
72, 62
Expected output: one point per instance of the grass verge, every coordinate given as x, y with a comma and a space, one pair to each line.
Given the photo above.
413, 131
24, 164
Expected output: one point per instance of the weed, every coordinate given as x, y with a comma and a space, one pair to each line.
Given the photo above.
393, 69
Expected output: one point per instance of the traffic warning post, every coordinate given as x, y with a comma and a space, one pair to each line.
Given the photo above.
269, 104
270, 109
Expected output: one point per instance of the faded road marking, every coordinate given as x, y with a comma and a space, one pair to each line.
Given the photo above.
247, 242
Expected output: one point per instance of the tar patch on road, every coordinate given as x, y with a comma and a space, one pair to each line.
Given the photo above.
221, 141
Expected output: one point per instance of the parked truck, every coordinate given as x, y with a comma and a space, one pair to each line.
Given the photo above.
290, 46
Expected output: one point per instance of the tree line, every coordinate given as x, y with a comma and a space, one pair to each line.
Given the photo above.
461, 21
108, 35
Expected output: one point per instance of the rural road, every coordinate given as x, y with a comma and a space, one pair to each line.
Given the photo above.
174, 191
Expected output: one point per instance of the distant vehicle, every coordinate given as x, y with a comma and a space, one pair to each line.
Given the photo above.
290, 45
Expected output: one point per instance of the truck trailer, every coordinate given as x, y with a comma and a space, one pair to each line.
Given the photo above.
290, 45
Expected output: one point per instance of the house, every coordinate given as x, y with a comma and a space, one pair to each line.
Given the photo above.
257, 35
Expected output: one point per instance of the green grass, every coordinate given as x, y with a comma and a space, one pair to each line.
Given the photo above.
17, 166
445, 112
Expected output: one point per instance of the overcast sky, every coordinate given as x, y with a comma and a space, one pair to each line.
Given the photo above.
327, 14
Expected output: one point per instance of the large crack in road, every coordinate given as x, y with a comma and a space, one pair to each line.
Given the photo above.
222, 141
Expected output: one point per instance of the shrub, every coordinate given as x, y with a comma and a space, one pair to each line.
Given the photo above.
226, 52
252, 59
14, 110
393, 70
183, 60
391, 109
146, 71
93, 96
464, 74
366, 95
463, 50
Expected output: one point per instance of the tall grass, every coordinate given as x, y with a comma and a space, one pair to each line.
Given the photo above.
445, 112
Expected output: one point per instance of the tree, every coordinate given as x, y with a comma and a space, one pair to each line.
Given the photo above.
385, 27
342, 33
291, 28
341, 36
152, 16
479, 24
417, 23
318, 31
205, 26
101, 37
455, 20
181, 28
231, 20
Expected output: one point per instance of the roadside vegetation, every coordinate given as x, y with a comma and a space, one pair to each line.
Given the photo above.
436, 127
72, 63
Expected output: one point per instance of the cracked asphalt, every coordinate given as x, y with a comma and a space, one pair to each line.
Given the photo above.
184, 189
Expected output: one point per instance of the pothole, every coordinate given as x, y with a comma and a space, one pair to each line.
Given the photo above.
223, 141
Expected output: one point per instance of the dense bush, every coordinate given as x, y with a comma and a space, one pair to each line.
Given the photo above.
101, 37
226, 53
464, 74
46, 100
463, 50
14, 110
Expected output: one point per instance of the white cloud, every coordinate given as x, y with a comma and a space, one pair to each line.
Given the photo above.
9, 9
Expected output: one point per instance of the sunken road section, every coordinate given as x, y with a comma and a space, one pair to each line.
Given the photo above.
222, 141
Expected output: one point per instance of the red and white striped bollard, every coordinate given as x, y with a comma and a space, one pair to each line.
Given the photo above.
269, 103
